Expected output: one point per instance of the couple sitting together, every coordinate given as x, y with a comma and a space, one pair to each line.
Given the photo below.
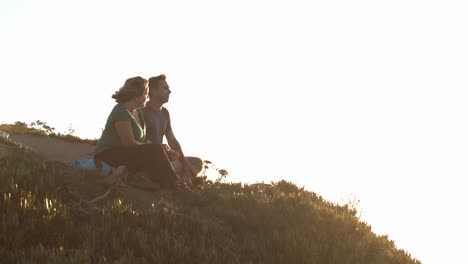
133, 135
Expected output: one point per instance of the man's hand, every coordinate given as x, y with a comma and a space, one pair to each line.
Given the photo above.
172, 155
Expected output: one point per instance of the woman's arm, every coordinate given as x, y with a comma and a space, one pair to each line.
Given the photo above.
124, 129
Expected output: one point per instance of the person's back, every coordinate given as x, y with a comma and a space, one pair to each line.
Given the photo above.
110, 137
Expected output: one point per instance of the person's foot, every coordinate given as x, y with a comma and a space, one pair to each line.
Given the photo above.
182, 186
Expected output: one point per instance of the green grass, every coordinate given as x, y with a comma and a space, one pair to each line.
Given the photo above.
260, 223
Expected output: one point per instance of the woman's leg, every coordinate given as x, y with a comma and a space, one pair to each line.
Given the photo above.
149, 157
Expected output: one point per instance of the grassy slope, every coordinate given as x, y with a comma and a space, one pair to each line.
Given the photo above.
23, 128
277, 223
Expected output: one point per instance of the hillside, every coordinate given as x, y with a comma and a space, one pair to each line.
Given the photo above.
56, 214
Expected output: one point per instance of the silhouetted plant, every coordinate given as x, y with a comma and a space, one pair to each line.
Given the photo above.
220, 174
70, 130
352, 203
42, 126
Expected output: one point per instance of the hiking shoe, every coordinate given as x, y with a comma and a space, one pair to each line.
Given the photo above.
188, 182
182, 186
121, 172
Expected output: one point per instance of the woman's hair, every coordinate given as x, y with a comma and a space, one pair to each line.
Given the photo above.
133, 87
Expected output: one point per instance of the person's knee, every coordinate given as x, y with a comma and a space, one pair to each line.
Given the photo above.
196, 163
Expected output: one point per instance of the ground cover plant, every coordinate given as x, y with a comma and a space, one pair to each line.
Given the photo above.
236, 223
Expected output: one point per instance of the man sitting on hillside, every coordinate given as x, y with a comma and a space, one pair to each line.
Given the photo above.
159, 125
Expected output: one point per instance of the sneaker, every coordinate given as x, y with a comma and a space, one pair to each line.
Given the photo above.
121, 172
182, 186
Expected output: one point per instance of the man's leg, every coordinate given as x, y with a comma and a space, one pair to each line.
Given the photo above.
197, 164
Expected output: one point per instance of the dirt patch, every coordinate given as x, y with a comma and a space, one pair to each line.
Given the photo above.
53, 148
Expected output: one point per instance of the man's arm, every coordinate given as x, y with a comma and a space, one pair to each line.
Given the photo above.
174, 144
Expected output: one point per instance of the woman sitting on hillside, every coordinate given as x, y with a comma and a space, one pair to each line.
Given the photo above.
123, 141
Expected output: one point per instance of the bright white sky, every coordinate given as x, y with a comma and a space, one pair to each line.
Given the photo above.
367, 98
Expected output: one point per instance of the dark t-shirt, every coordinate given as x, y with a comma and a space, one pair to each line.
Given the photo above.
158, 124
110, 137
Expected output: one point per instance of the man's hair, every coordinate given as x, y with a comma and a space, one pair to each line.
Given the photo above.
153, 81
133, 87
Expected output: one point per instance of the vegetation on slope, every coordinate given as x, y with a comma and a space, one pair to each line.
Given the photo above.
41, 128
259, 223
